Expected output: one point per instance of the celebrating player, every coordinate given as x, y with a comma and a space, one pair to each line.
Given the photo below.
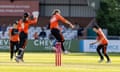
103, 42
14, 40
23, 25
54, 27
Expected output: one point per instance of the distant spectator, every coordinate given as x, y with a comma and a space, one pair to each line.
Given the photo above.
3, 34
3, 28
51, 37
0, 28
8, 27
79, 31
42, 34
77, 25
62, 28
35, 35
48, 26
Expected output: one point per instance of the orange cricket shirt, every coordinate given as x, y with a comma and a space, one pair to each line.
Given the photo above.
55, 19
24, 26
15, 37
102, 36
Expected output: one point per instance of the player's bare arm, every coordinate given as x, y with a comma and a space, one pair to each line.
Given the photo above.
94, 42
70, 24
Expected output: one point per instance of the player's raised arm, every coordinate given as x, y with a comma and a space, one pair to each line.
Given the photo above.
61, 18
70, 24
34, 18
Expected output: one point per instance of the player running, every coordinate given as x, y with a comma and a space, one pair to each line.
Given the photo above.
103, 42
14, 40
23, 25
54, 27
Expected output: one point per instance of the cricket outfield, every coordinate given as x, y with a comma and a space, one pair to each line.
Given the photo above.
73, 62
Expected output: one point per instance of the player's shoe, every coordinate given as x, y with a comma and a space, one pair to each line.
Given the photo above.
101, 60
11, 59
21, 60
66, 52
108, 61
17, 59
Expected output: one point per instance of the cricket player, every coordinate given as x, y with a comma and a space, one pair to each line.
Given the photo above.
55, 29
14, 40
103, 42
23, 25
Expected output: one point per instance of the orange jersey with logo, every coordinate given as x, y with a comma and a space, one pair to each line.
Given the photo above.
55, 19
102, 37
14, 37
24, 26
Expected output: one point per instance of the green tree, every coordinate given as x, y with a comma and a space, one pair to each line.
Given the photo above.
108, 16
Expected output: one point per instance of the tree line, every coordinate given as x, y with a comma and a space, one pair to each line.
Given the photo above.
108, 16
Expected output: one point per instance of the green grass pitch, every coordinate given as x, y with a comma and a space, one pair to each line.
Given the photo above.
73, 62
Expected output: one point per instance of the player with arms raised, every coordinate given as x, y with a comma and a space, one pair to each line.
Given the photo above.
23, 25
55, 29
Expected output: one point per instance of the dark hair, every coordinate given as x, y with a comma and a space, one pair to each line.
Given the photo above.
96, 26
16, 22
26, 14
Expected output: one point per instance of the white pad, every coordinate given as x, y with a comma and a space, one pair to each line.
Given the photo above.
35, 14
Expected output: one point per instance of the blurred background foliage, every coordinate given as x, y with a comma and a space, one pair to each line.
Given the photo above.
108, 16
